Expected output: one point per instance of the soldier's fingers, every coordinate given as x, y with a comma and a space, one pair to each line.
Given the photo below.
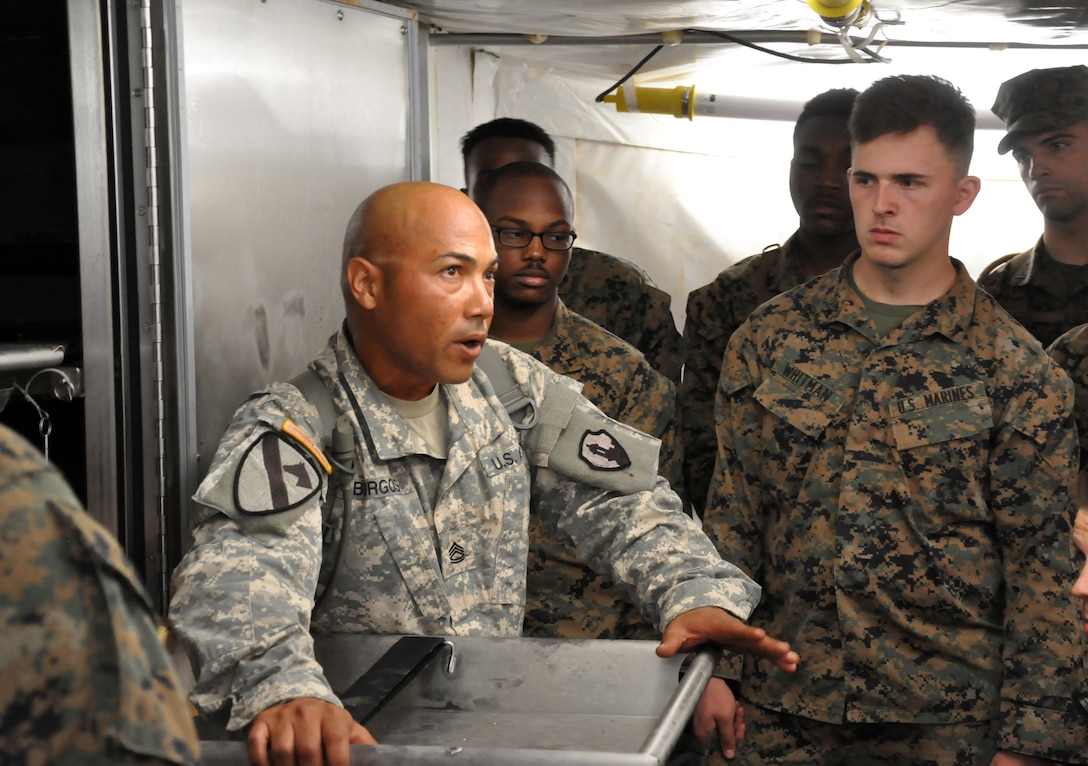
739, 727
281, 744
336, 734
360, 735
727, 738
309, 732
257, 743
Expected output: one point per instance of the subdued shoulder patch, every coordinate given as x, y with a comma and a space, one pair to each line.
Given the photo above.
602, 452
274, 475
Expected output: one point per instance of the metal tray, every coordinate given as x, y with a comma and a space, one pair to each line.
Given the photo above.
512, 701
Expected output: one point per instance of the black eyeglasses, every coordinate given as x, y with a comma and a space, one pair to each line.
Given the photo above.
551, 240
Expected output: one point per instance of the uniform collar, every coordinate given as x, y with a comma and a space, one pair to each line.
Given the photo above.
474, 419
950, 315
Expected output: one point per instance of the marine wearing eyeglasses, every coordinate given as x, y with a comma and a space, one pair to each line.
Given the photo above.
610, 291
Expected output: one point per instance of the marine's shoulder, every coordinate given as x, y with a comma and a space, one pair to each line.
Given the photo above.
1013, 349
1002, 269
39, 512
597, 339
1070, 345
738, 276
593, 264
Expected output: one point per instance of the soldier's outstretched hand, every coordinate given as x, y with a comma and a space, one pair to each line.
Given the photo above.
304, 732
709, 623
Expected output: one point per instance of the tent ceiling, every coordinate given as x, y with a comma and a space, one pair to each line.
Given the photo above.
1032, 22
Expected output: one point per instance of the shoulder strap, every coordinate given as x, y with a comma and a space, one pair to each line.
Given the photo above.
316, 394
508, 391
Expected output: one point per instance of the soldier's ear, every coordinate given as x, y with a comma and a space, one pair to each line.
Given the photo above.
364, 281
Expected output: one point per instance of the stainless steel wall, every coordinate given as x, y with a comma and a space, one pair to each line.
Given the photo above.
293, 111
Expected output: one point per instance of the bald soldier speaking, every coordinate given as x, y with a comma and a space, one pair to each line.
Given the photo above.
434, 538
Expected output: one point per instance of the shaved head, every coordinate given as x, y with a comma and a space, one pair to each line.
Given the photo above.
387, 221
418, 282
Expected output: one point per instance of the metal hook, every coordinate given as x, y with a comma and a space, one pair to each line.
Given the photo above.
45, 425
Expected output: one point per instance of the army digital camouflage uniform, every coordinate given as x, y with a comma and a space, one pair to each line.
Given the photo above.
564, 597
454, 566
623, 299
714, 312
903, 501
1045, 296
83, 676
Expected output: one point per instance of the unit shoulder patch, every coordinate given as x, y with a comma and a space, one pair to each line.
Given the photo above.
274, 475
601, 451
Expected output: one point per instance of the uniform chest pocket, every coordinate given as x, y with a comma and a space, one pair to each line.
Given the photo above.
944, 449
806, 405
789, 439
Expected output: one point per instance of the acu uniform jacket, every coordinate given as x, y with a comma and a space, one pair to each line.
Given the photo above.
437, 543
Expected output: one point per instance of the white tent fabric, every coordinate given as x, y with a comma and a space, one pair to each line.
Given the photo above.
684, 199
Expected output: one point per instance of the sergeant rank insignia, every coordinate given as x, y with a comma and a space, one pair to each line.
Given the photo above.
600, 451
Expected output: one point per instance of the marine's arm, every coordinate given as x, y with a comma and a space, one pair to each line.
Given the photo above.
649, 404
706, 332
1032, 462
732, 519
661, 342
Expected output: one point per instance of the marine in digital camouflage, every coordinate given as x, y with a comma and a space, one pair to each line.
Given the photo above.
1047, 297
795, 741
564, 597
84, 679
623, 299
714, 312
610, 291
455, 566
1046, 288
1070, 351
903, 501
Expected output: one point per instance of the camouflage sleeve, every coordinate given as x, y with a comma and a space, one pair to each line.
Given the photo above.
733, 518
649, 404
1031, 466
648, 545
661, 343
705, 335
84, 677
244, 592
1070, 352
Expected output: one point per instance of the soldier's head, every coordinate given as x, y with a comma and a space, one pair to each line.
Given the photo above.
821, 159
1045, 112
531, 213
418, 281
912, 141
902, 104
500, 142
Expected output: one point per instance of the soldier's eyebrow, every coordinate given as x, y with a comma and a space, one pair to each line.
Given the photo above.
464, 258
1063, 134
525, 224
